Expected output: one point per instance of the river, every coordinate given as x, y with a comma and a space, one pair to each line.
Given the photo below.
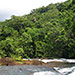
40, 70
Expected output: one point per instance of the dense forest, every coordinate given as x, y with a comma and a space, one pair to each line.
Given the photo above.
47, 32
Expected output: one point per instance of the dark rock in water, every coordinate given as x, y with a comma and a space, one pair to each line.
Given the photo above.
23, 70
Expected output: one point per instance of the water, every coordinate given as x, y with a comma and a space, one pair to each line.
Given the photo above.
62, 71
46, 73
39, 70
25, 70
68, 70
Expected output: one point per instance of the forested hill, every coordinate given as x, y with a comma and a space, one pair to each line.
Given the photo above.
47, 32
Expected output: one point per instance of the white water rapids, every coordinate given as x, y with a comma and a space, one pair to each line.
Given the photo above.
62, 71
45, 73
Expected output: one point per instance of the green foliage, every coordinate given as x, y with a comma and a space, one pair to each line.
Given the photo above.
45, 32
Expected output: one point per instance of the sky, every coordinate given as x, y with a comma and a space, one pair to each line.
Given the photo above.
21, 7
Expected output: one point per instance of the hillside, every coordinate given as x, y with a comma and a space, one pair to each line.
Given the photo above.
47, 32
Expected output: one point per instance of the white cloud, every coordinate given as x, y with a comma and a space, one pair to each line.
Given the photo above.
21, 7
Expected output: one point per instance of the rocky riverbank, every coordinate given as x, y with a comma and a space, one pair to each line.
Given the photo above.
37, 66
10, 62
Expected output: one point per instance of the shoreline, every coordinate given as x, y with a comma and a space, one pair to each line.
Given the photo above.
39, 62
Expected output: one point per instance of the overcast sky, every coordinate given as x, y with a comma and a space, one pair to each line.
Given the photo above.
21, 7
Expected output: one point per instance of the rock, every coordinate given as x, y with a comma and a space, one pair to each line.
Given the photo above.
56, 64
33, 62
8, 61
37, 62
27, 62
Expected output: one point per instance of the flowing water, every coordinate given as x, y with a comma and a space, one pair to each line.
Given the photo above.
63, 69
69, 69
39, 70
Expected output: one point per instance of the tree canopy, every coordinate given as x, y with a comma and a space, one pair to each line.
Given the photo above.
46, 32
